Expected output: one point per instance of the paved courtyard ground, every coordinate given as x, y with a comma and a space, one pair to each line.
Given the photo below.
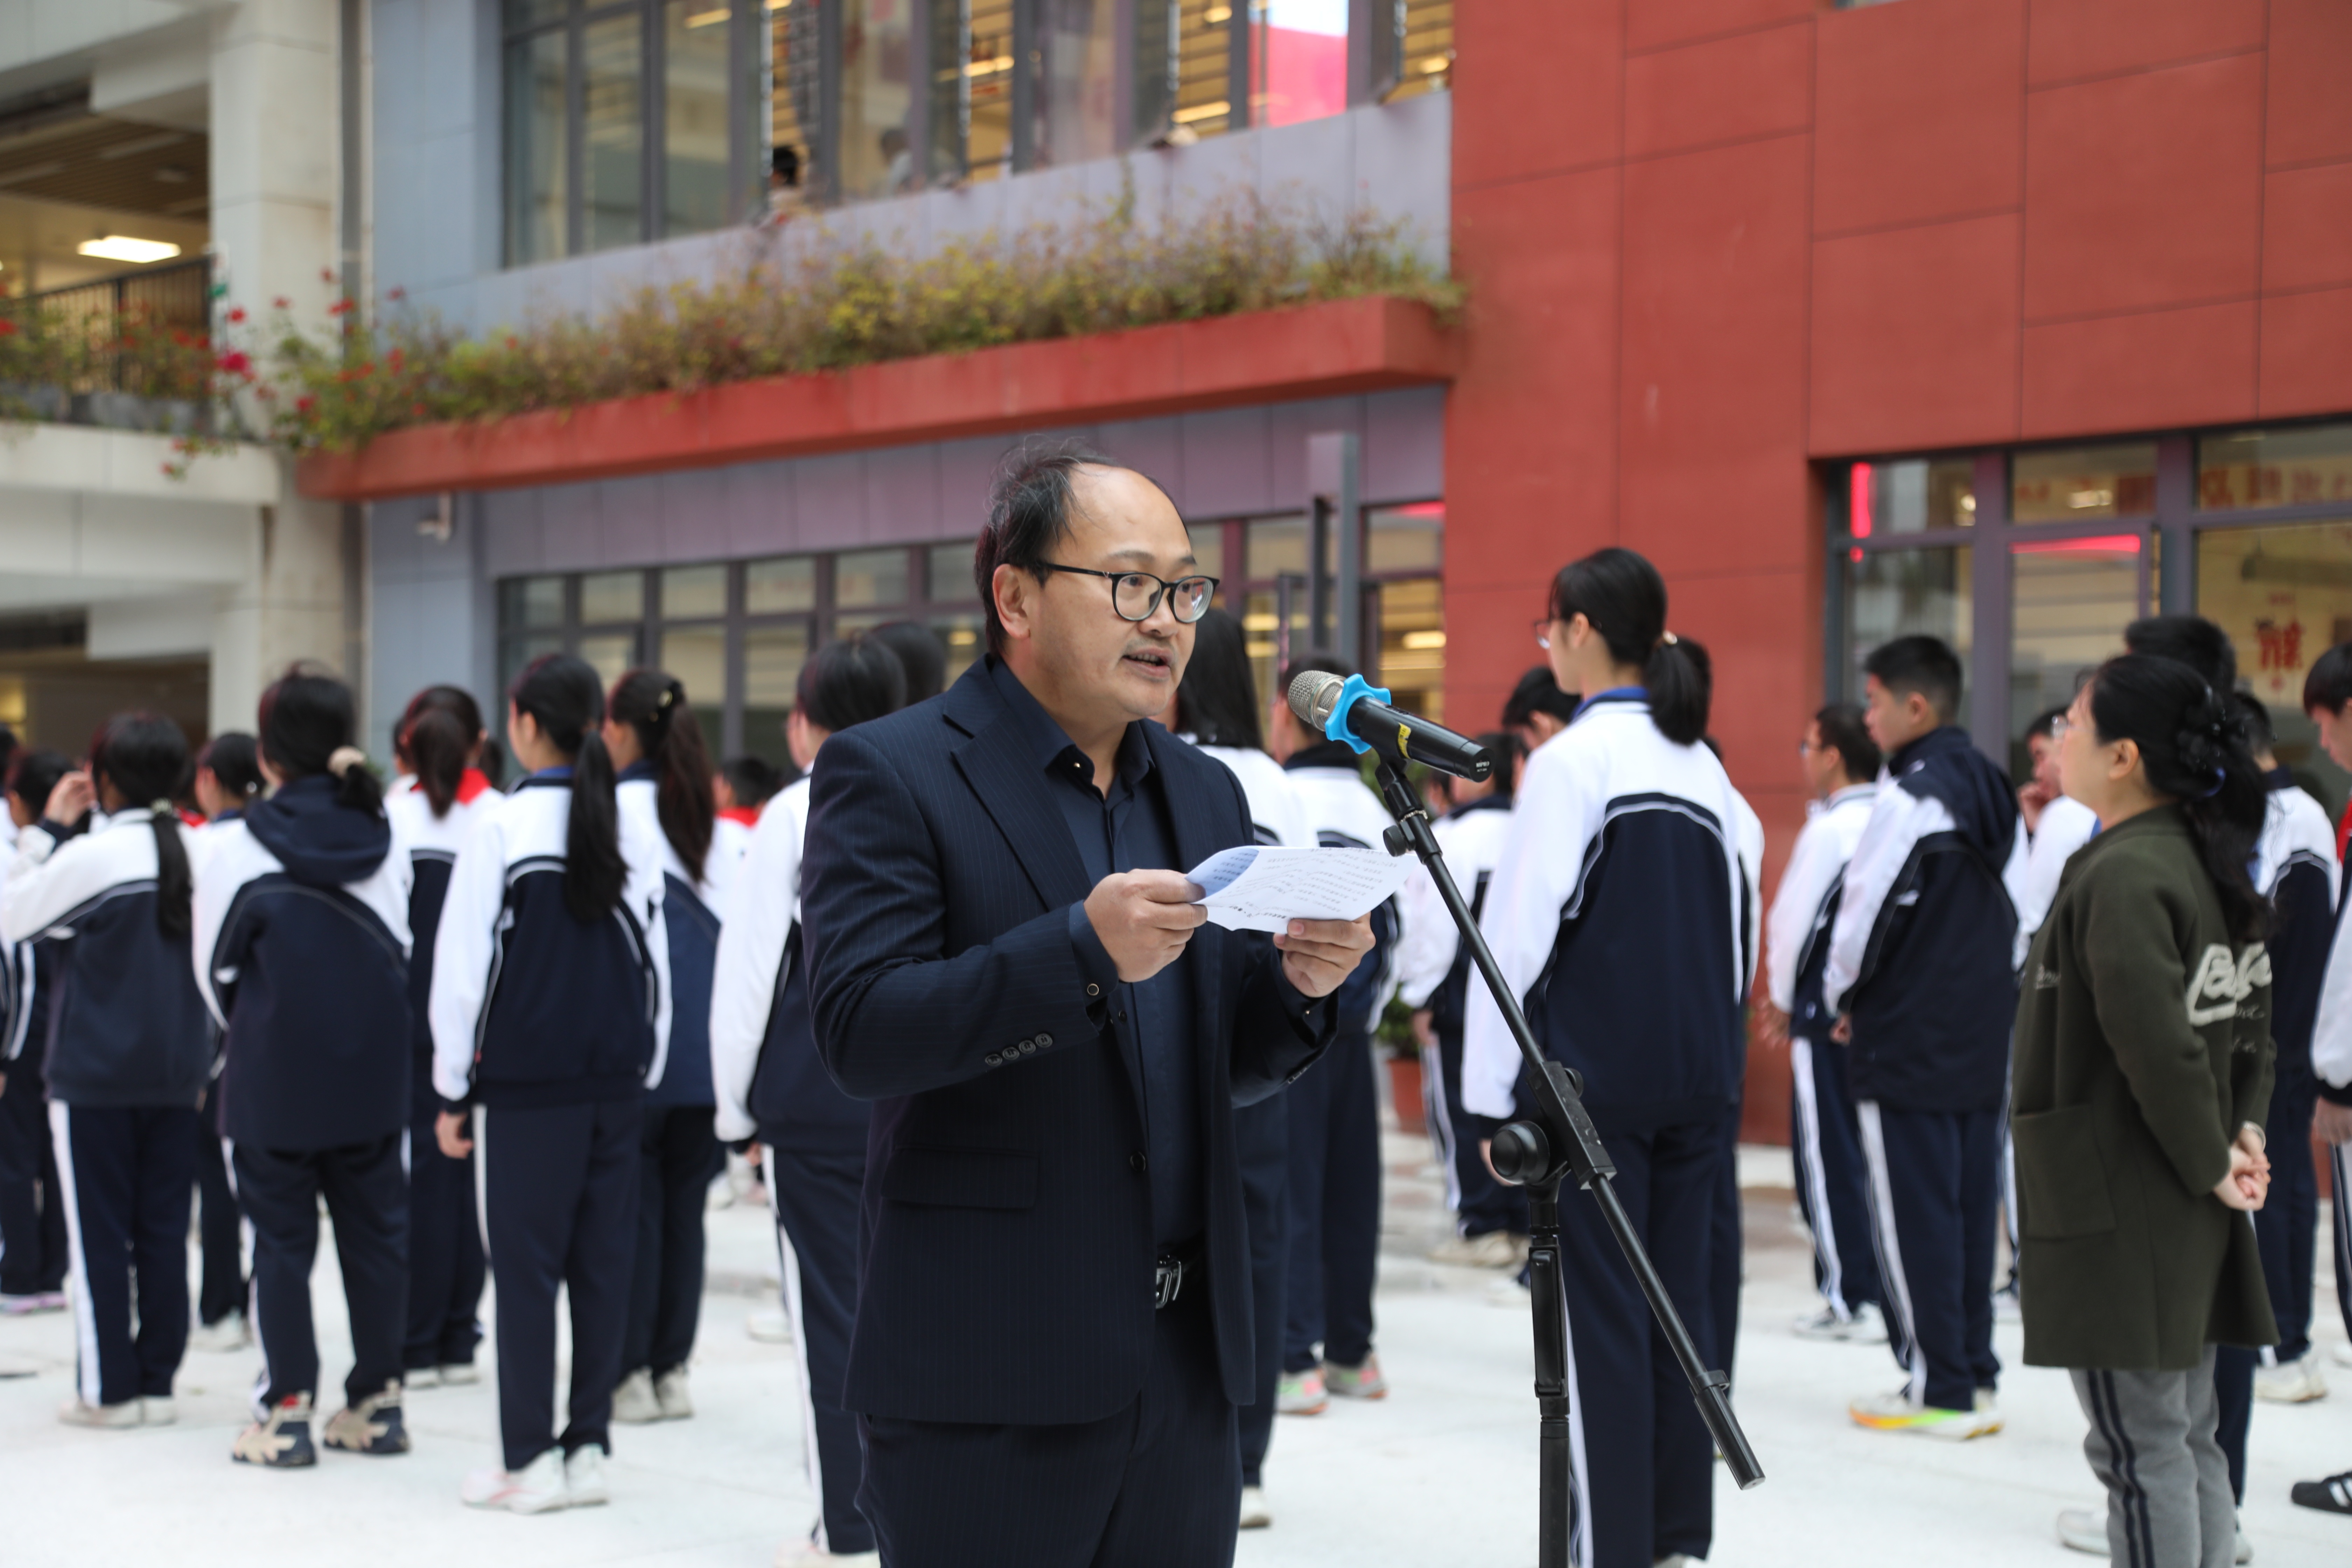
1440, 1473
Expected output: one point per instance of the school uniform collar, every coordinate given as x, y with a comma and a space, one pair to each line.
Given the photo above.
1627, 694
2279, 778
557, 777
1838, 797
640, 770
231, 814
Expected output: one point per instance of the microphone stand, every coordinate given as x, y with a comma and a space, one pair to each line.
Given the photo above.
1557, 1142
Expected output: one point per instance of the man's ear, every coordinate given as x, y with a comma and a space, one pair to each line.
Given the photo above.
1012, 588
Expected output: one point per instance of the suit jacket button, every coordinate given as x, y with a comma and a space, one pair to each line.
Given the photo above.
1136, 1162
1027, 1047
992, 1059
1044, 1041
1093, 989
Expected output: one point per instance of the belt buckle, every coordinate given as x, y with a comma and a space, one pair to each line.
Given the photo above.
1167, 1282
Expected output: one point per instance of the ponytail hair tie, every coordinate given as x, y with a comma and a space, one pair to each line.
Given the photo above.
1669, 639
163, 808
343, 758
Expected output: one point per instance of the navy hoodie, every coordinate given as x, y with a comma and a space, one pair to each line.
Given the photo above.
302, 942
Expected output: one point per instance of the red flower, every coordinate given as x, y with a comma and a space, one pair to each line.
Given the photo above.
8, 328
304, 404
235, 314
235, 361
326, 275
339, 307
397, 294
281, 303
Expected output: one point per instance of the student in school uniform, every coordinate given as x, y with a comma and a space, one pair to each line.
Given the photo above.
301, 953
33, 1255
228, 780
744, 785
127, 1052
665, 776
2056, 823
1920, 975
1434, 978
1728, 1259
1841, 770
1618, 915
1216, 709
551, 1015
434, 804
1333, 1109
771, 1084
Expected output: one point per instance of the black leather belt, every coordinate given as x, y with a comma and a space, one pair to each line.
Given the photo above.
1177, 1263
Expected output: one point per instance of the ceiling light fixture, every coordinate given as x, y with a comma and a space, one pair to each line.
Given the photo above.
123, 248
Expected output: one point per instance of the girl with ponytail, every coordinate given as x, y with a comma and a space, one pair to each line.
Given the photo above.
2141, 1085
550, 1011
1618, 910
434, 805
666, 789
129, 1052
301, 945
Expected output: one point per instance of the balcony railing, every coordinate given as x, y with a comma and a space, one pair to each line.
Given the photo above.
132, 352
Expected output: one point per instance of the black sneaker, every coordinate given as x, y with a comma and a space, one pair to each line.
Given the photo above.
2333, 1495
371, 1426
282, 1440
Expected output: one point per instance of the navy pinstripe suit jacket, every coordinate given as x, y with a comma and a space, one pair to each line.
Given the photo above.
1005, 1247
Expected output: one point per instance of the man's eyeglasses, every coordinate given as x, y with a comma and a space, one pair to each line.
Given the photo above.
1136, 595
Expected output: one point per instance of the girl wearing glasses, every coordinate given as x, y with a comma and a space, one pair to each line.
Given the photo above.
1618, 913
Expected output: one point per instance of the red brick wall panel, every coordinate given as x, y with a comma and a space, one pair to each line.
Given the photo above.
1917, 112
1656, 24
2306, 367
2307, 227
2310, 110
2153, 371
2076, 39
1725, 90
1510, 121
2142, 191
1914, 338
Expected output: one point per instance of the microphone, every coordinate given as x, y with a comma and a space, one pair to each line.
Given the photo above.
1358, 714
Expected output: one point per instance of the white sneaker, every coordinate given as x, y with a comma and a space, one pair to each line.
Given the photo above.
671, 1396
1865, 1326
158, 1412
78, 1411
633, 1403
1496, 1249
220, 1338
583, 1476
2083, 1529
417, 1377
459, 1374
2297, 1382
2245, 1553
769, 1326
1255, 1515
537, 1487
1895, 1413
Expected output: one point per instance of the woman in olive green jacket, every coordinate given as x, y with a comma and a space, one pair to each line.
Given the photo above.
2141, 1081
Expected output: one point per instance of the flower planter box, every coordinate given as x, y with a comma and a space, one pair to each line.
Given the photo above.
1328, 350
1405, 1094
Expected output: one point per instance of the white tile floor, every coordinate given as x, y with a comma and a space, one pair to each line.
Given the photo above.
1440, 1473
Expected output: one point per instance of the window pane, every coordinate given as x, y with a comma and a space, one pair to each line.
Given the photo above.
522, 14
965, 637
1208, 548
1427, 65
1406, 538
1205, 86
530, 601
1413, 646
690, 593
949, 570
1912, 497
1897, 592
514, 654
612, 597
1298, 60
2275, 468
875, 93
698, 657
2083, 482
2069, 602
1279, 544
791, 104
870, 577
772, 657
614, 655
612, 175
1259, 624
780, 584
694, 116
1078, 78
2285, 595
987, 68
536, 189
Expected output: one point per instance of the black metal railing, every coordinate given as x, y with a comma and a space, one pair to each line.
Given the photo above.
130, 351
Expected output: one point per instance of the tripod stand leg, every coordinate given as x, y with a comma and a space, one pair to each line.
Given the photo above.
1550, 1309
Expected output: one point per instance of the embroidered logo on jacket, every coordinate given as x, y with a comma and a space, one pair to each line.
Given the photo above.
2219, 983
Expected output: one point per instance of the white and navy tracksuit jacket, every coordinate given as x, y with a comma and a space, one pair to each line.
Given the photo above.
691, 907
1620, 914
1335, 806
433, 843
1831, 1178
770, 1082
127, 1051
2065, 826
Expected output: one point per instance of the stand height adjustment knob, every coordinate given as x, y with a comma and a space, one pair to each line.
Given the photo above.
1522, 1154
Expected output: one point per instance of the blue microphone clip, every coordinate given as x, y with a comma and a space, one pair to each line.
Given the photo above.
1336, 727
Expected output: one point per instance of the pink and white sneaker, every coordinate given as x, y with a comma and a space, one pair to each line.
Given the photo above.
537, 1487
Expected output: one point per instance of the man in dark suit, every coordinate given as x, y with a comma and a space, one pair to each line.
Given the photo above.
1054, 1320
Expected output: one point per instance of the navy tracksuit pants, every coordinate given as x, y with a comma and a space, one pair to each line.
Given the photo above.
814, 1193
1832, 1180
221, 1288
1482, 1204
1935, 1188
678, 1154
1262, 1143
1335, 1208
32, 1205
2287, 1224
446, 1270
366, 1189
127, 1174
559, 1209
1643, 1463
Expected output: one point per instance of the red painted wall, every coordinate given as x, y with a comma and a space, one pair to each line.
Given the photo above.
1712, 241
